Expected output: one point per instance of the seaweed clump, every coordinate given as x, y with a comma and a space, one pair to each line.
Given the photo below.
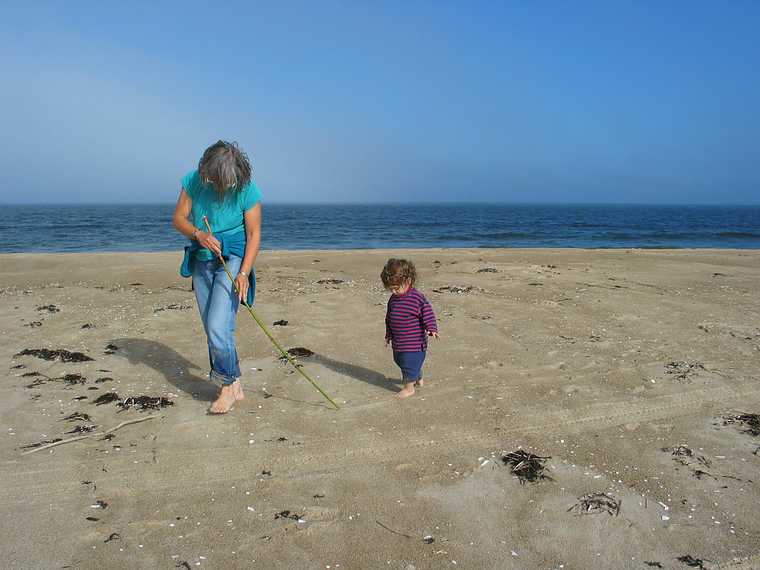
455, 289
145, 403
55, 354
106, 398
526, 466
287, 515
73, 379
682, 369
750, 421
83, 428
77, 416
298, 352
173, 307
596, 503
692, 562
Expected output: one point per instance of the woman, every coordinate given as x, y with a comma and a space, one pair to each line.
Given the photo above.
221, 193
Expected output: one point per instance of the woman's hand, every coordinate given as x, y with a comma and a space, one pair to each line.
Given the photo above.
241, 284
208, 241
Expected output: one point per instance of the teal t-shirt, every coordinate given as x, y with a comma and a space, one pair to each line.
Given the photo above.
224, 215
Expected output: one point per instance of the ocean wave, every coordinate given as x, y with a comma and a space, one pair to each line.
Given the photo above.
740, 235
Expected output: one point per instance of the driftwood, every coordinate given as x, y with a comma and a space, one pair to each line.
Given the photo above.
393, 531
79, 437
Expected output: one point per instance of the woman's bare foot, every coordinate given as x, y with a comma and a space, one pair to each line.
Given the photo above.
406, 391
238, 390
224, 401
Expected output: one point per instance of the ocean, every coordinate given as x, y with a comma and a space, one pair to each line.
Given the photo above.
87, 228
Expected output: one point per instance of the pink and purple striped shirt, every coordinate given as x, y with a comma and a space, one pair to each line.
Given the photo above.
408, 320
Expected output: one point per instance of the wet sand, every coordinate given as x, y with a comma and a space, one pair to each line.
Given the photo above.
619, 366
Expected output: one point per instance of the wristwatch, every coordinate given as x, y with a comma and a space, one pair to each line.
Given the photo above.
243, 273
195, 233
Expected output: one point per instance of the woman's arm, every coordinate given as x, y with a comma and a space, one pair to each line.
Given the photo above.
181, 215
183, 225
252, 219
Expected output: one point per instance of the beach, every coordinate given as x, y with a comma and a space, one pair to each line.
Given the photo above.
634, 373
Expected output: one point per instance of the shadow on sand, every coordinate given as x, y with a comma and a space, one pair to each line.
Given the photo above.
357, 372
168, 362
178, 371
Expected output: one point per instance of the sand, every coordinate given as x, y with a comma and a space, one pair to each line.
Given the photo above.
567, 354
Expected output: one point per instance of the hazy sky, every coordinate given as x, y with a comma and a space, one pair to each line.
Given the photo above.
384, 101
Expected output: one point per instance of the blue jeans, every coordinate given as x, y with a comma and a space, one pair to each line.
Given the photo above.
218, 304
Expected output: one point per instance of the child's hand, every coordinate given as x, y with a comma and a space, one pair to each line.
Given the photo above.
434, 334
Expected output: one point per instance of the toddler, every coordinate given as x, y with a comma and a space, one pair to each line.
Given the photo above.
408, 322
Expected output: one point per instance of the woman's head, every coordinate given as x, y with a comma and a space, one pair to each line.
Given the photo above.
225, 166
397, 273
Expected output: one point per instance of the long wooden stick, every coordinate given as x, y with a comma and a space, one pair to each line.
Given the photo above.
77, 438
256, 318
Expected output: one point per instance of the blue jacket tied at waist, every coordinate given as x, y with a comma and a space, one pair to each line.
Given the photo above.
232, 244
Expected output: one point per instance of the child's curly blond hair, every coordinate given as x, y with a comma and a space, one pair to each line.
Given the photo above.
398, 271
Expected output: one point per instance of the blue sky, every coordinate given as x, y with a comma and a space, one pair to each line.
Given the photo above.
642, 102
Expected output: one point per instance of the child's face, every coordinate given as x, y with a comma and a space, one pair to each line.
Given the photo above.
400, 288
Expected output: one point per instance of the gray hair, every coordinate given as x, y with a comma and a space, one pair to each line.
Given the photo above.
225, 166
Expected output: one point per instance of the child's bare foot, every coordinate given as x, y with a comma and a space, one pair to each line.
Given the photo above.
406, 391
224, 401
238, 390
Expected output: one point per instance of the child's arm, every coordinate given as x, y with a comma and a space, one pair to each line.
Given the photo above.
428, 318
388, 333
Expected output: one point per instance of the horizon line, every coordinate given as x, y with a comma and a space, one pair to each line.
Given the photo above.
394, 203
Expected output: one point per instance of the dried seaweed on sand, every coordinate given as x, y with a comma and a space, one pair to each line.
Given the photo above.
83, 429
752, 423
287, 515
143, 403
692, 562
456, 289
298, 352
72, 379
173, 307
596, 503
77, 416
682, 369
55, 354
106, 398
526, 466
